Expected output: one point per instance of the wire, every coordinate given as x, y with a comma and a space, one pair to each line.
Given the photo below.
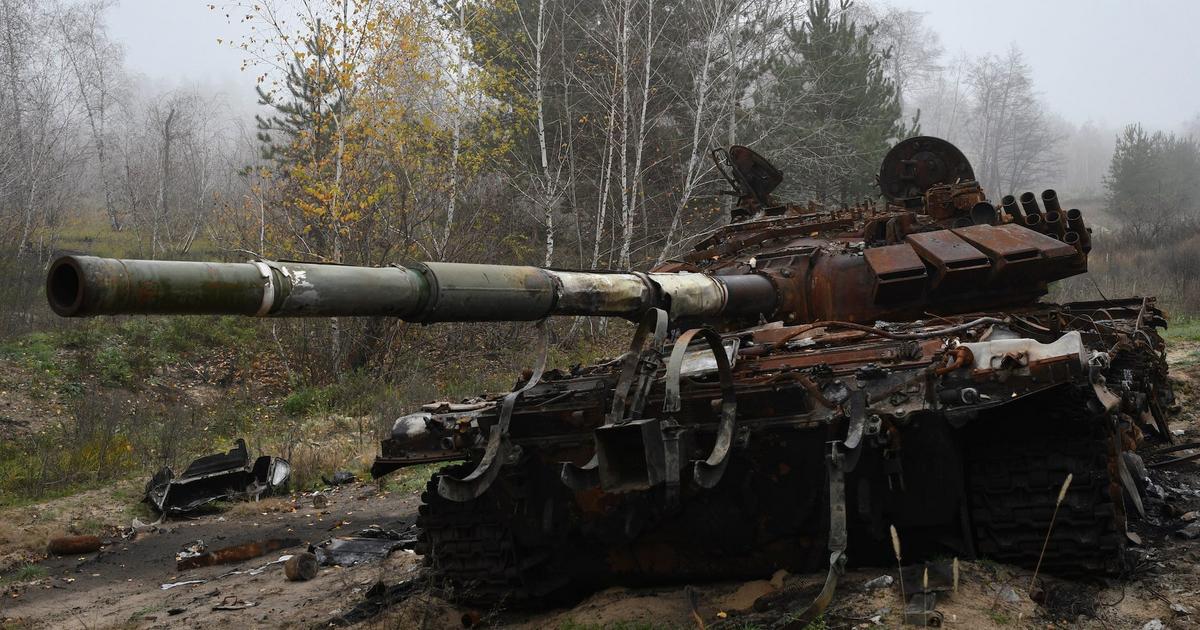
1097, 287
873, 330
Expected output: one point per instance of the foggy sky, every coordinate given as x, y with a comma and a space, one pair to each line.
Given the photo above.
173, 43
1103, 60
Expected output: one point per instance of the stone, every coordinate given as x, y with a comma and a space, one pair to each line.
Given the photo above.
1190, 531
1009, 594
883, 581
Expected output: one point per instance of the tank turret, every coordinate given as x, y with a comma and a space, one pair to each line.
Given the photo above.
936, 246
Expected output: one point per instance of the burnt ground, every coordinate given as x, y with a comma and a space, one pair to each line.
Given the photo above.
120, 587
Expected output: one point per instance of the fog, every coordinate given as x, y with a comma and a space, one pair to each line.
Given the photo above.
1104, 61
174, 43
1101, 60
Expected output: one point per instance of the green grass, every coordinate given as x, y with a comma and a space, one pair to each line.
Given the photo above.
122, 353
53, 464
817, 624
93, 371
37, 354
92, 527
411, 479
93, 234
1183, 329
25, 573
1190, 359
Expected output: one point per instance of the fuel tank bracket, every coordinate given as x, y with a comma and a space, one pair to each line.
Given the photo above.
834, 461
496, 453
639, 364
707, 472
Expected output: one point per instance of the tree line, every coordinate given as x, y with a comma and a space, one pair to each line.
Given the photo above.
568, 133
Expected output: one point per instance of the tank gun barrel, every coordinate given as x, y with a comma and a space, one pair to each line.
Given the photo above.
80, 286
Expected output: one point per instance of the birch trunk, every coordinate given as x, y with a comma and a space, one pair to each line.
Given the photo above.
691, 172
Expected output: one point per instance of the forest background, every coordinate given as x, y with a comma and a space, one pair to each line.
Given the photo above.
565, 133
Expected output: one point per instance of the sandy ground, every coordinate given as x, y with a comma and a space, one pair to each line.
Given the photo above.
121, 587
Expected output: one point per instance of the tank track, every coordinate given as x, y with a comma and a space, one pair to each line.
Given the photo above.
1017, 470
472, 547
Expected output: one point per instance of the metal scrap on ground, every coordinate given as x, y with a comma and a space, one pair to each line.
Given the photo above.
368, 545
221, 476
72, 545
236, 553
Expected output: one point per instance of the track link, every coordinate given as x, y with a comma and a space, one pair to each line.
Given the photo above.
1018, 468
474, 549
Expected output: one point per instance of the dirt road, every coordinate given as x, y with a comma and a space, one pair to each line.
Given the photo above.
122, 585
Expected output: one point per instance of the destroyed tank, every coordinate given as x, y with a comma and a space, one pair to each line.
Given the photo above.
803, 381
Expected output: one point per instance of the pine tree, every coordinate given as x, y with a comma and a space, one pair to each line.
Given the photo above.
1150, 182
302, 129
836, 111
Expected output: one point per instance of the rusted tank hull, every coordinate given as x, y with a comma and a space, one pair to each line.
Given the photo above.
948, 436
802, 381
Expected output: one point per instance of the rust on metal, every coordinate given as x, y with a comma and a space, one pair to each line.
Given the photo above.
236, 553
955, 262
71, 545
884, 363
900, 273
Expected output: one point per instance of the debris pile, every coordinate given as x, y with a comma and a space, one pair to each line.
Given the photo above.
368, 545
221, 476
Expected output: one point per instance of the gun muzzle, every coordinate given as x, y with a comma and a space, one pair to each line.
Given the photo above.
1052, 223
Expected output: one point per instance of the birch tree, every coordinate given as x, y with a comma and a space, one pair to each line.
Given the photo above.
715, 90
1015, 142
95, 62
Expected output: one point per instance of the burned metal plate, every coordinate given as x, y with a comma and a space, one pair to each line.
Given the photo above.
702, 361
956, 262
899, 272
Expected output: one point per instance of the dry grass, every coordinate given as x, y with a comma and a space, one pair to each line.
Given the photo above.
321, 446
24, 530
262, 506
27, 538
